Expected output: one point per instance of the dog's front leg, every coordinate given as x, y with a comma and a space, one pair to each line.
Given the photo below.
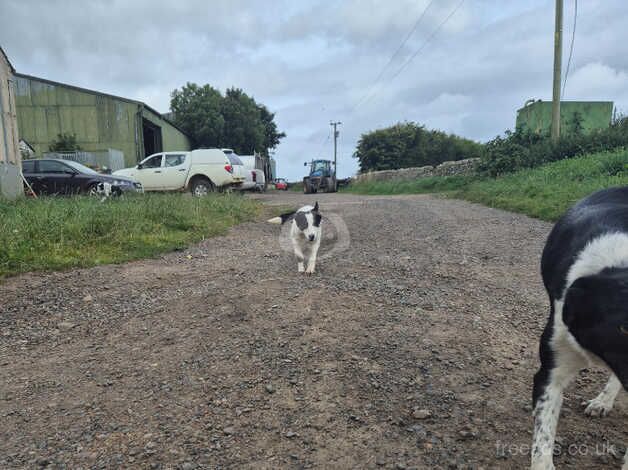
547, 411
603, 403
298, 251
559, 364
311, 262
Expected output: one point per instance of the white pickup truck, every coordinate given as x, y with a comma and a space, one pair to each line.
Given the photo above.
199, 171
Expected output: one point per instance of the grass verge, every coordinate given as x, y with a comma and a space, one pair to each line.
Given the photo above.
417, 186
545, 192
59, 233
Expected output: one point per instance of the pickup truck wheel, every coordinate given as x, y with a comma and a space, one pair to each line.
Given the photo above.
201, 187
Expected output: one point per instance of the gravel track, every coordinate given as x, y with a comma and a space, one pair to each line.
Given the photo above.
413, 348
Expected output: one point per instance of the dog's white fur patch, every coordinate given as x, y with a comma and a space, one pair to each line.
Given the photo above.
607, 251
275, 220
306, 242
603, 403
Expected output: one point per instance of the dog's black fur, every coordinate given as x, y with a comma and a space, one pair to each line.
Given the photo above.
299, 217
594, 306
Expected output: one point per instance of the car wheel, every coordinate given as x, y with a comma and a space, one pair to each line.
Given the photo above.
202, 187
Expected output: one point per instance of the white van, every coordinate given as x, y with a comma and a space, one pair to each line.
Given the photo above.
200, 171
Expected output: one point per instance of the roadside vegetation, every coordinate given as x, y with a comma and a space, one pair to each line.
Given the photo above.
431, 184
524, 149
544, 192
409, 144
58, 233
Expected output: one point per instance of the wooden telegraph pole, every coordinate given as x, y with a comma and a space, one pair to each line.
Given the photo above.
558, 55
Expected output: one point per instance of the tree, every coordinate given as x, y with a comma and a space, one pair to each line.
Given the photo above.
198, 111
409, 144
64, 143
244, 130
272, 136
234, 120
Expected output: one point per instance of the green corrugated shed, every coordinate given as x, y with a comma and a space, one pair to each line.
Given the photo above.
593, 115
99, 120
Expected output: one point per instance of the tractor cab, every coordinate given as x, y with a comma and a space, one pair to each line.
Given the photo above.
322, 177
321, 168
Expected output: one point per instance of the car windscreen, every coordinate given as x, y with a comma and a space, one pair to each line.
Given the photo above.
82, 168
233, 159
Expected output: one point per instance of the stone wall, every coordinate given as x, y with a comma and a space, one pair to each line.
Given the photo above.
455, 168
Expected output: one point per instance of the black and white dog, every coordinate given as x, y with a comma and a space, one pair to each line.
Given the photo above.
107, 190
305, 234
585, 271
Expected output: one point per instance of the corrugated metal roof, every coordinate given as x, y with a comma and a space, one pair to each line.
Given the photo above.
94, 92
7, 59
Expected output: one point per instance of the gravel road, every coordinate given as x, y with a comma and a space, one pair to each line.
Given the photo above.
413, 346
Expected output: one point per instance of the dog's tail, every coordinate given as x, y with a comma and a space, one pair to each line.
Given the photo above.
282, 218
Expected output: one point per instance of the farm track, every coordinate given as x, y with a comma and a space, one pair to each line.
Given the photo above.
413, 346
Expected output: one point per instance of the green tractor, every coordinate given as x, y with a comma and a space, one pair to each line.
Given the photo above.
322, 177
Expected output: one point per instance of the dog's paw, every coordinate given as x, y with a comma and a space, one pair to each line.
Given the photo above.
301, 268
597, 407
309, 270
544, 464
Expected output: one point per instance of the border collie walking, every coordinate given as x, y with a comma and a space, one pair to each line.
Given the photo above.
305, 234
585, 271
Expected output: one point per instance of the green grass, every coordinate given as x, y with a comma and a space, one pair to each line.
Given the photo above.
59, 233
544, 192
417, 186
548, 191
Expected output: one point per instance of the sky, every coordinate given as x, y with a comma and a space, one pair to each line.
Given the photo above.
462, 67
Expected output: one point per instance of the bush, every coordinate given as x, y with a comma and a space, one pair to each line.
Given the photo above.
524, 149
409, 144
65, 143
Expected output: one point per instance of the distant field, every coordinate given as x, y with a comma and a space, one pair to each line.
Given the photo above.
544, 192
58, 232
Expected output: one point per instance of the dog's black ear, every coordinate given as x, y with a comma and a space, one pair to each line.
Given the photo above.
287, 216
315, 207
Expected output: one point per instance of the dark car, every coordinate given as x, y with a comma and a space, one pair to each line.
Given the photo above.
56, 176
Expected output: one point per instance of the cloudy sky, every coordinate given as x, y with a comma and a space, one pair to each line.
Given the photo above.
314, 61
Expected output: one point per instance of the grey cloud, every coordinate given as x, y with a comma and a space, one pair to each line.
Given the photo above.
312, 61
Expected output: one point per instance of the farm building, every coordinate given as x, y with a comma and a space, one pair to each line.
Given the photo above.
101, 122
588, 116
10, 161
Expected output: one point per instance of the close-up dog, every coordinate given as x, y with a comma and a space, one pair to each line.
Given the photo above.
305, 235
585, 272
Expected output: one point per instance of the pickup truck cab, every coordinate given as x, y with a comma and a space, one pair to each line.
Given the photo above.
199, 171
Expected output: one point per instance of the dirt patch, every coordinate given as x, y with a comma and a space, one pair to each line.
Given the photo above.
413, 348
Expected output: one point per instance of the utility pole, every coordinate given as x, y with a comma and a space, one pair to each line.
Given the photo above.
336, 133
558, 55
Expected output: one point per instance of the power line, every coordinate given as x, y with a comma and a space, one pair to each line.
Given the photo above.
392, 57
573, 37
323, 142
420, 49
